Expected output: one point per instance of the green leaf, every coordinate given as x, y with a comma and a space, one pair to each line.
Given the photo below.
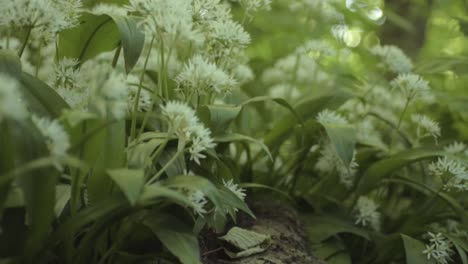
130, 182
10, 63
176, 237
238, 137
343, 139
244, 239
230, 200
104, 150
461, 246
320, 228
413, 250
41, 98
132, 40
196, 183
218, 117
155, 193
62, 196
306, 108
278, 100
94, 35
457, 207
381, 169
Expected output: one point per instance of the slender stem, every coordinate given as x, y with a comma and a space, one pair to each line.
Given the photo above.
164, 168
25, 42
137, 98
400, 120
116, 56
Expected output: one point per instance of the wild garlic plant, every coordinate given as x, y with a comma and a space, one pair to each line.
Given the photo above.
112, 121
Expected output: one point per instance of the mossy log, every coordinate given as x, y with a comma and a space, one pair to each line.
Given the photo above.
281, 222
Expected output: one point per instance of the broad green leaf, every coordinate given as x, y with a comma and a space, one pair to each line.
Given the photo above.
102, 151
262, 186
94, 35
414, 251
383, 168
62, 197
443, 64
41, 98
332, 251
305, 108
230, 200
277, 100
319, 228
343, 139
132, 40
178, 167
176, 237
244, 239
38, 186
155, 192
461, 246
444, 197
218, 117
10, 63
196, 183
131, 182
238, 137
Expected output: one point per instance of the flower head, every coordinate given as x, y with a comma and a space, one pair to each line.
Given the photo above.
199, 201
57, 139
184, 123
202, 77
331, 117
393, 58
426, 126
366, 213
439, 248
451, 172
238, 191
410, 84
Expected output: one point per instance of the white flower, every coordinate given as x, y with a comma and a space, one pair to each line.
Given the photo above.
251, 6
171, 18
57, 139
410, 84
455, 148
426, 126
453, 173
229, 33
66, 74
238, 191
111, 10
331, 117
11, 105
393, 58
202, 77
366, 213
439, 248
75, 98
181, 118
243, 73
210, 10
198, 202
46, 16
184, 123
201, 141
350, 36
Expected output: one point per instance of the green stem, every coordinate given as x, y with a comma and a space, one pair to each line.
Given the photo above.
116, 56
164, 168
135, 108
25, 42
